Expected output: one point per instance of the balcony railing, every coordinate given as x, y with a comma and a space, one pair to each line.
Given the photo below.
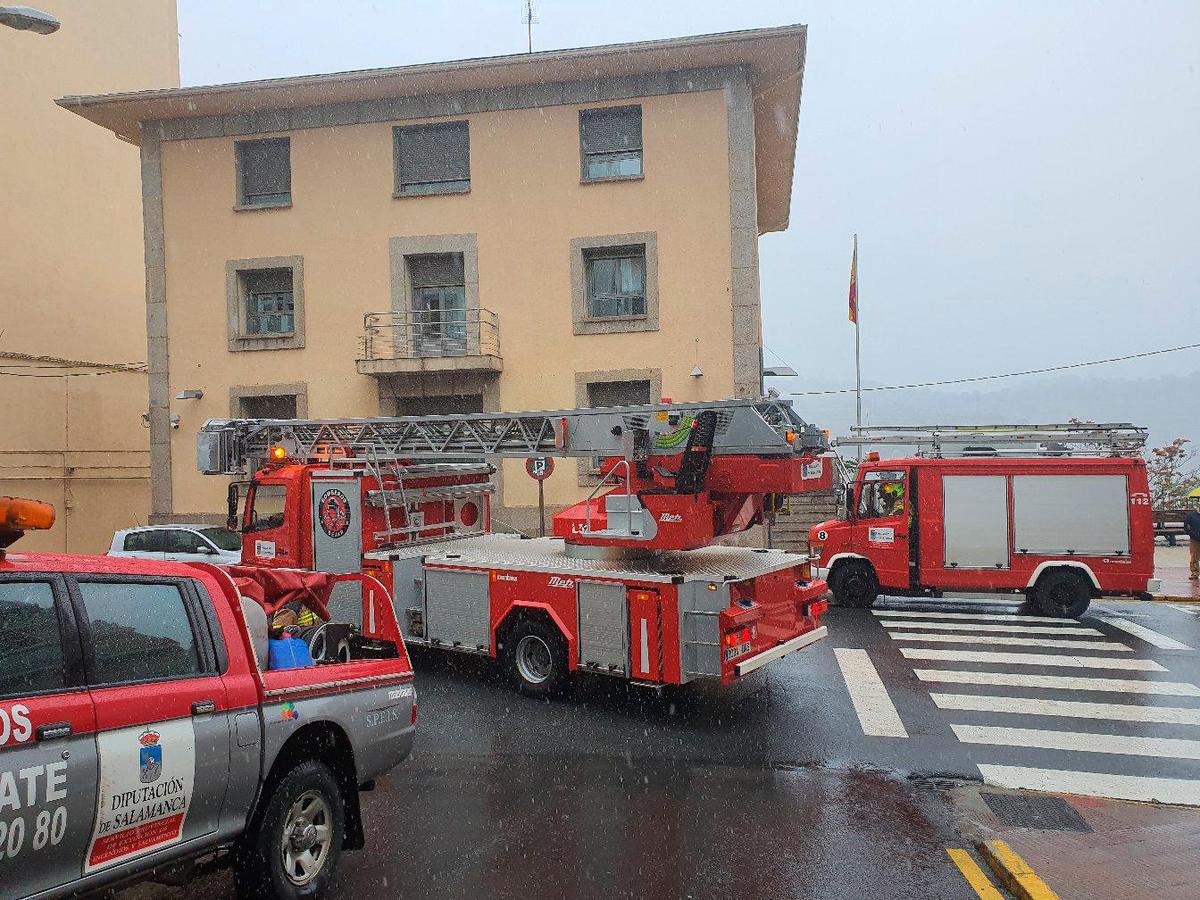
462, 338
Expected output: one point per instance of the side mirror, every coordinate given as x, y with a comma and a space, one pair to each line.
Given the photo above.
231, 507
206, 550
849, 501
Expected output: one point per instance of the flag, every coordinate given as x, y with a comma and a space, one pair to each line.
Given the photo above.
854, 283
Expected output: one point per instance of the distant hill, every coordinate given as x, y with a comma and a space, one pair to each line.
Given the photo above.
1169, 405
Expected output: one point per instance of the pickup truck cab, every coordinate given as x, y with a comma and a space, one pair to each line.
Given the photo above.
141, 731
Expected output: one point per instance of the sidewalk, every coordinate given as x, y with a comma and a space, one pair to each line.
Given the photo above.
1171, 568
1125, 851
1175, 584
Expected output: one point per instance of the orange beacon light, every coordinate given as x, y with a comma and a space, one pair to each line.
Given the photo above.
18, 515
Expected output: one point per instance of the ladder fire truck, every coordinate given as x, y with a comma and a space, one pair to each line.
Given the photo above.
1060, 513
631, 585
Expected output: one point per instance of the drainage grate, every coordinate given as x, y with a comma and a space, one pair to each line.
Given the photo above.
1043, 813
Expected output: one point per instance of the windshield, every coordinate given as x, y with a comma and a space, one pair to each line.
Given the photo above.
266, 506
223, 538
882, 495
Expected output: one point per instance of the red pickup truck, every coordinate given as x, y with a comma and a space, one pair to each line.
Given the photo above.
142, 730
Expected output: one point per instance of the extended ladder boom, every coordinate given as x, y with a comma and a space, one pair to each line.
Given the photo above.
1060, 439
752, 427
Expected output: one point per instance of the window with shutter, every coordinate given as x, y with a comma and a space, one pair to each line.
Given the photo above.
616, 281
432, 159
269, 406
264, 172
610, 142
618, 393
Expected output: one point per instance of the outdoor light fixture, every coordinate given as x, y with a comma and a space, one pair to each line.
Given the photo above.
26, 18
189, 395
697, 372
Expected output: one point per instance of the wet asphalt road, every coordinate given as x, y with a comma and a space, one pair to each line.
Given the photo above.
770, 789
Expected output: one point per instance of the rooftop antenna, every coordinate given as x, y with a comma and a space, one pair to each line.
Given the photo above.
529, 17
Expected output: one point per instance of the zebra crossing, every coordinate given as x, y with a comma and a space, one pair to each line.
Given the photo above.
1085, 707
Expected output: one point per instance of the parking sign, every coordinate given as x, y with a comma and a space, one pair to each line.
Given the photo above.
539, 467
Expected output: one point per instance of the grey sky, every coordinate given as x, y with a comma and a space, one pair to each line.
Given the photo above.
1022, 175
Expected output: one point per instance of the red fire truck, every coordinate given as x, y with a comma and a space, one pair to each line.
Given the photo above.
1060, 513
631, 585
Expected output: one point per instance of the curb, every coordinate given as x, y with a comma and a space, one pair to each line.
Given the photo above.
1014, 873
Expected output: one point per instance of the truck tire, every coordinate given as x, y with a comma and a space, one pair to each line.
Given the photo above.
292, 847
854, 584
536, 656
1062, 593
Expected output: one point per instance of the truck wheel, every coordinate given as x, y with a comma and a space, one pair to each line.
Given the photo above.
292, 850
537, 657
854, 584
1062, 594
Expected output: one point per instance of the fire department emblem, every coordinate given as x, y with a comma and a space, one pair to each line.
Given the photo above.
149, 757
333, 512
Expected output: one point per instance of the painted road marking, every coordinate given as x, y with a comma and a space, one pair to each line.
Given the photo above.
1031, 659
1014, 873
876, 713
975, 878
1120, 712
1061, 682
991, 617
1161, 641
992, 627
1094, 784
1009, 641
1165, 748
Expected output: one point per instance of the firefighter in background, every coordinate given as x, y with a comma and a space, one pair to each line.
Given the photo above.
1191, 524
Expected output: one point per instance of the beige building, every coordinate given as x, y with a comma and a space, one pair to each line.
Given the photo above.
539, 231
72, 315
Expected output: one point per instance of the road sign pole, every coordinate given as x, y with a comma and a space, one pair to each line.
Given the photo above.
541, 508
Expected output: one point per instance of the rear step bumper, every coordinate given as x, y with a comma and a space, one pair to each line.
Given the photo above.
746, 666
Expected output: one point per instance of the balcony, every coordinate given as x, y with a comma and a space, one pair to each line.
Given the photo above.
418, 341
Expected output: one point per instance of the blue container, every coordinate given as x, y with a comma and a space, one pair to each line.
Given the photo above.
289, 653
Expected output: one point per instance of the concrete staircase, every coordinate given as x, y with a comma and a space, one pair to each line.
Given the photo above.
790, 531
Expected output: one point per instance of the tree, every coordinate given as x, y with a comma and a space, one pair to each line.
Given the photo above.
1173, 474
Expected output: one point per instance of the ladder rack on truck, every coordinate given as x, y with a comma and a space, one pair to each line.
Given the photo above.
1061, 439
408, 496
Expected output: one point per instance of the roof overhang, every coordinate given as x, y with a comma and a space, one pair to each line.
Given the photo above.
774, 58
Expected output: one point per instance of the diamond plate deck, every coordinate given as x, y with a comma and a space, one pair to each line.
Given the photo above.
501, 551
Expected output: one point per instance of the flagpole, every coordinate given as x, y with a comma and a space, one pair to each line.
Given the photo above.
857, 351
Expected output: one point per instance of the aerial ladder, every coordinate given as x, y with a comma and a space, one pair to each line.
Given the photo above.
678, 475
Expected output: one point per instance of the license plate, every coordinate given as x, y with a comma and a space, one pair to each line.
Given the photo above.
735, 652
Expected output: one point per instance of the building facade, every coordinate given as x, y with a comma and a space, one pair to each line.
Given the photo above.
540, 231
73, 378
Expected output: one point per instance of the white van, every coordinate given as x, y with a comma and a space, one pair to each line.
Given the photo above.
179, 543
